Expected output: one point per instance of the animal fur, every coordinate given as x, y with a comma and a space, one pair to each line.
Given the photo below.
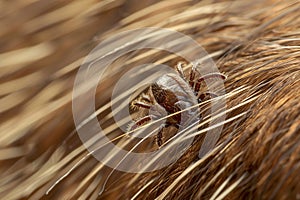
255, 43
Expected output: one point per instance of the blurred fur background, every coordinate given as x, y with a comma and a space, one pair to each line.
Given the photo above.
255, 43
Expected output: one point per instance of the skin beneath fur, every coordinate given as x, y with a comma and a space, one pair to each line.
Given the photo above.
256, 44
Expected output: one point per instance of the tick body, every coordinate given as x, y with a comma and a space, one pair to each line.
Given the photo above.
175, 95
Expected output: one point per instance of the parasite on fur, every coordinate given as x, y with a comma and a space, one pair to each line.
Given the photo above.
172, 93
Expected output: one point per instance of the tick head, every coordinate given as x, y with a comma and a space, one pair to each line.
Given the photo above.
164, 98
158, 93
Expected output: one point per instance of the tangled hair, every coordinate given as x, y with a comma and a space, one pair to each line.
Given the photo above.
256, 44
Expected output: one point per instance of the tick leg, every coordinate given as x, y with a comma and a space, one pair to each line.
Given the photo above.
159, 135
180, 70
138, 103
140, 122
192, 76
159, 138
208, 76
201, 96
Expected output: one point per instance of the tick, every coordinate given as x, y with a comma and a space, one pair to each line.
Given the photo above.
171, 94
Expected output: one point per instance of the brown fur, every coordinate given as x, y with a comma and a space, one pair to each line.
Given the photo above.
256, 44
